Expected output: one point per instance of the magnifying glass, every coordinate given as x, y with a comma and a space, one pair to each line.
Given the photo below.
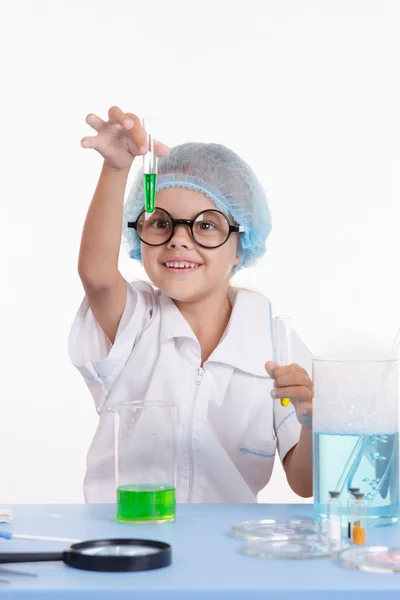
103, 555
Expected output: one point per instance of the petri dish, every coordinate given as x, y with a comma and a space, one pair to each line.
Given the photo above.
275, 529
301, 548
375, 559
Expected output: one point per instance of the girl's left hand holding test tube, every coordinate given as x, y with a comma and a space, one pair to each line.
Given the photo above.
293, 382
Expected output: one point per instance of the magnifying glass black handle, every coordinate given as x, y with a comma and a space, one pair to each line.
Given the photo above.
21, 557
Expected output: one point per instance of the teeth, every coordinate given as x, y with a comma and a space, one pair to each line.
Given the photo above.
181, 265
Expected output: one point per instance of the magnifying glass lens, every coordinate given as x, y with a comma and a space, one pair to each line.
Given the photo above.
118, 551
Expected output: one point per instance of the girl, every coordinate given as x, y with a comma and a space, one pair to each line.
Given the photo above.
193, 340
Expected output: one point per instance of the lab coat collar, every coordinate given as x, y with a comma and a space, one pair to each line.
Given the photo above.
247, 342
173, 324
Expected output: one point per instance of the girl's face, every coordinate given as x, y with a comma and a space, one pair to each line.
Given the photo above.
213, 267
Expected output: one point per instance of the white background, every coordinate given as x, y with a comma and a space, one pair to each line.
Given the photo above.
308, 92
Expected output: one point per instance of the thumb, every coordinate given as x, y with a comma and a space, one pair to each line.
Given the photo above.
269, 366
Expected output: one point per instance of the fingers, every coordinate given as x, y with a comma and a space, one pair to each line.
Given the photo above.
162, 149
293, 378
276, 371
130, 123
89, 142
116, 115
95, 122
296, 392
291, 381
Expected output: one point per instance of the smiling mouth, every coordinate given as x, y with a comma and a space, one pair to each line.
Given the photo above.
182, 264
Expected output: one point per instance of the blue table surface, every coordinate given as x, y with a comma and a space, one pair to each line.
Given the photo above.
207, 561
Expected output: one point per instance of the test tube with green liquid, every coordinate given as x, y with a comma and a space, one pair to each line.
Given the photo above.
150, 162
283, 345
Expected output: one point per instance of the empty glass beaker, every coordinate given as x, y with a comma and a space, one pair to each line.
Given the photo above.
145, 461
355, 427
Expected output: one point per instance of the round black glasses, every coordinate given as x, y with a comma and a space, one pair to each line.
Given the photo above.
209, 229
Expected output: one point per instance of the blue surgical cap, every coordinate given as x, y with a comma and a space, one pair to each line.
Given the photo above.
224, 178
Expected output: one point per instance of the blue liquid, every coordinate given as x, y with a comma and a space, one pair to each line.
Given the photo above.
373, 467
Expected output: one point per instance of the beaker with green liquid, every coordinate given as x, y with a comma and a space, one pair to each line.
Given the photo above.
145, 461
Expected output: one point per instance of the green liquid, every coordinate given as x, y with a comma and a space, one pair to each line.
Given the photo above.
149, 191
145, 503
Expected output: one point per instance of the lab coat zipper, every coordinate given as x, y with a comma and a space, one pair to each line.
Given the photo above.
199, 377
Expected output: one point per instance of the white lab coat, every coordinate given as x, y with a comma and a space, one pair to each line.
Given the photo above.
229, 426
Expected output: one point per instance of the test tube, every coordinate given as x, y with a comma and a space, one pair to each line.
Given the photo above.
150, 163
283, 345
